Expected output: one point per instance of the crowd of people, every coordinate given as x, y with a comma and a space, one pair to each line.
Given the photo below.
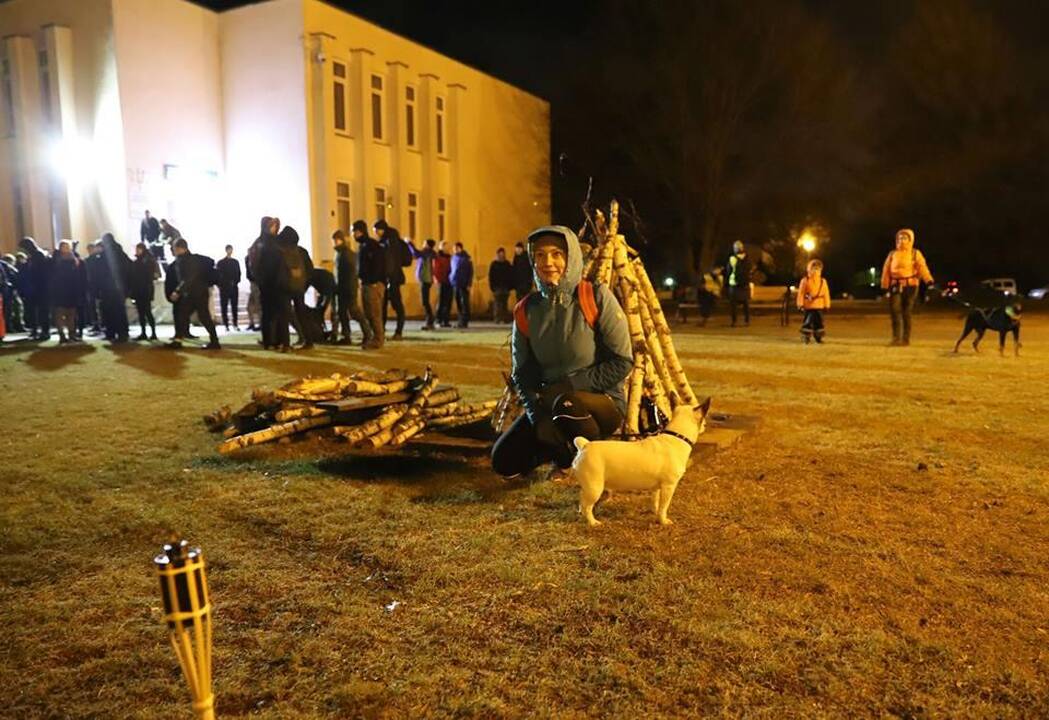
78, 296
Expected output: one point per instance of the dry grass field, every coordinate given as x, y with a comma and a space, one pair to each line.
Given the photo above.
878, 547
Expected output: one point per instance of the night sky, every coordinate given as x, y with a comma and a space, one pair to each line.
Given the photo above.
725, 120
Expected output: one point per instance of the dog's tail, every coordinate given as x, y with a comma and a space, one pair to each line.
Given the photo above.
580, 442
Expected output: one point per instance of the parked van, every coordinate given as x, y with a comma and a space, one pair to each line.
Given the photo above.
1006, 286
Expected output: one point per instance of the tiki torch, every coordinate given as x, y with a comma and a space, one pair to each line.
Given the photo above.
187, 610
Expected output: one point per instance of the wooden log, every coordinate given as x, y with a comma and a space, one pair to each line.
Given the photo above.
300, 412
635, 390
381, 377
403, 431
442, 397
384, 420
659, 320
365, 387
274, 432
457, 420
655, 348
442, 411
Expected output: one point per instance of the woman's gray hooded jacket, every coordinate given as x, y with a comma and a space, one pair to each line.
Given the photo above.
560, 345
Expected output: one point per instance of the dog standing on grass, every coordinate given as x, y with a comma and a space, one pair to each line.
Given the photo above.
655, 463
1003, 319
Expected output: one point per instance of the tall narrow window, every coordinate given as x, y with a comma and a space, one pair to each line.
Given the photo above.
45, 85
20, 228
377, 103
339, 95
409, 116
442, 217
8, 97
380, 203
440, 126
342, 206
413, 214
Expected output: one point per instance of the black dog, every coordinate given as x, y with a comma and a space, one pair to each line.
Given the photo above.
1003, 320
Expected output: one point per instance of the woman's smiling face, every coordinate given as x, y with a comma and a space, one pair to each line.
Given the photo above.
549, 261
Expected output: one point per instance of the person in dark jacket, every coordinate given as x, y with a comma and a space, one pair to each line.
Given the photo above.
192, 279
568, 374
263, 264
737, 274
522, 273
462, 277
500, 282
295, 270
9, 292
113, 289
346, 292
322, 281
424, 274
65, 291
94, 268
149, 233
229, 287
144, 271
371, 269
397, 257
442, 275
34, 283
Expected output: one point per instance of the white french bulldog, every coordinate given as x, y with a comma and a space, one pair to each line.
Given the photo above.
655, 463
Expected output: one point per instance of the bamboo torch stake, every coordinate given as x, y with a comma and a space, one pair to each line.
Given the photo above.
660, 321
187, 611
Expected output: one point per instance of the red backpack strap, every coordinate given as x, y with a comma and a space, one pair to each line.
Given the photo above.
587, 302
521, 315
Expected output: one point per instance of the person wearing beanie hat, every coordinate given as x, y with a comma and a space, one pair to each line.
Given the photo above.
359, 226
737, 281
904, 270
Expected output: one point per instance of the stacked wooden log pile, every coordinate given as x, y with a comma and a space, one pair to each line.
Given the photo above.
366, 409
657, 378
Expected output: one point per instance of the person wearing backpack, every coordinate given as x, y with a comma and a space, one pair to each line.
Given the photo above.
571, 353
813, 299
187, 284
904, 270
398, 257
294, 277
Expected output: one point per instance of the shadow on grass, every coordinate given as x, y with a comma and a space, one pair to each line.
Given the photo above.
50, 359
154, 360
436, 480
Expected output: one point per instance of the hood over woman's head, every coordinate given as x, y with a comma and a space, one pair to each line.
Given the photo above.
904, 239
565, 240
264, 224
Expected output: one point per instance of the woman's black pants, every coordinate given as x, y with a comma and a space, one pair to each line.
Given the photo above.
577, 413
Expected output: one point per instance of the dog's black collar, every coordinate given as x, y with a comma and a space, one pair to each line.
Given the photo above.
679, 436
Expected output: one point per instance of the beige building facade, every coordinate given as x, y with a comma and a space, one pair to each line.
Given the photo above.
290, 108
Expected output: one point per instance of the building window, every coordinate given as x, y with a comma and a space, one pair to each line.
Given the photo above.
413, 214
442, 217
440, 126
378, 100
8, 97
342, 206
380, 203
339, 95
409, 116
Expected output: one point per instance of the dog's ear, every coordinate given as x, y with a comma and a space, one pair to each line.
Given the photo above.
704, 407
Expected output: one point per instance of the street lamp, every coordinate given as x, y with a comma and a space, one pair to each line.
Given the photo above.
807, 242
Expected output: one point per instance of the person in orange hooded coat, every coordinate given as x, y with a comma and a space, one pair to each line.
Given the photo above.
904, 270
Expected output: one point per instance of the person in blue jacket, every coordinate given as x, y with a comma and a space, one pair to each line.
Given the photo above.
568, 368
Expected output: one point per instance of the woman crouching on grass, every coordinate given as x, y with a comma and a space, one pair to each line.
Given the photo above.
571, 354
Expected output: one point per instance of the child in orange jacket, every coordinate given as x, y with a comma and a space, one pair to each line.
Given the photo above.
813, 299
